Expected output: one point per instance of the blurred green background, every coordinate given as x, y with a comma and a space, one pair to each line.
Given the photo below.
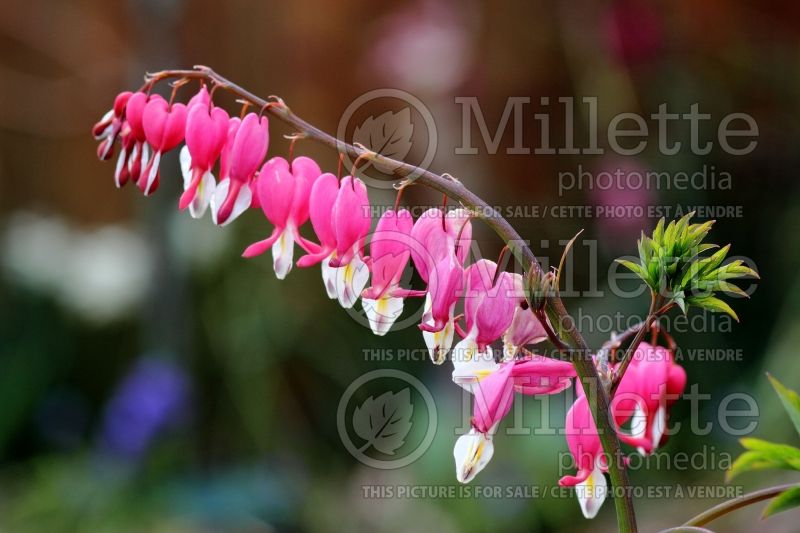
152, 380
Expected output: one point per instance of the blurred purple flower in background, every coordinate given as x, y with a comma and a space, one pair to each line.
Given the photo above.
152, 398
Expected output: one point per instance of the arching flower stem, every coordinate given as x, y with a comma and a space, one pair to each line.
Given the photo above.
577, 349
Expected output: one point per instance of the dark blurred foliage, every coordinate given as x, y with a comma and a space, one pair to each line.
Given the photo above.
128, 330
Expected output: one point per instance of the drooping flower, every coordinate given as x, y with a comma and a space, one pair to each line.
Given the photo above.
651, 385
116, 125
201, 97
389, 254
243, 153
108, 128
489, 307
283, 192
351, 219
587, 452
525, 327
135, 143
489, 310
472, 453
468, 373
206, 133
532, 375
164, 128
322, 199
127, 144
445, 287
442, 244
437, 232
493, 386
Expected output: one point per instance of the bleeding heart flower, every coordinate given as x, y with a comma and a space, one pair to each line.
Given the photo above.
202, 97
390, 250
437, 342
351, 220
116, 124
164, 128
532, 375
206, 133
488, 309
138, 153
108, 128
587, 451
472, 453
493, 386
445, 287
442, 245
341, 217
243, 153
525, 327
436, 233
127, 143
651, 384
322, 199
283, 193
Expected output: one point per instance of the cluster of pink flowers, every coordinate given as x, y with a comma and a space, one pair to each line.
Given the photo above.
483, 306
147, 127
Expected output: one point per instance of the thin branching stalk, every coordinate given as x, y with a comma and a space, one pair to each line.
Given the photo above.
737, 503
652, 315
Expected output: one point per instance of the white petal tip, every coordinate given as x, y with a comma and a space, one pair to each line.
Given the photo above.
472, 453
382, 313
592, 493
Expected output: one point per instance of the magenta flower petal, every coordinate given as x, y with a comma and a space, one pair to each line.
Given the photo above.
351, 219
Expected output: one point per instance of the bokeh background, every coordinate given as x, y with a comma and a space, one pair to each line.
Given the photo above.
152, 380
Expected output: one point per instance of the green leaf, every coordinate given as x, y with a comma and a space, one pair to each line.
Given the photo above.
671, 261
784, 501
785, 453
681, 301
635, 268
704, 247
764, 455
645, 249
658, 233
790, 401
752, 443
735, 269
698, 232
755, 460
690, 272
682, 237
712, 304
720, 285
716, 258
669, 237
730, 288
